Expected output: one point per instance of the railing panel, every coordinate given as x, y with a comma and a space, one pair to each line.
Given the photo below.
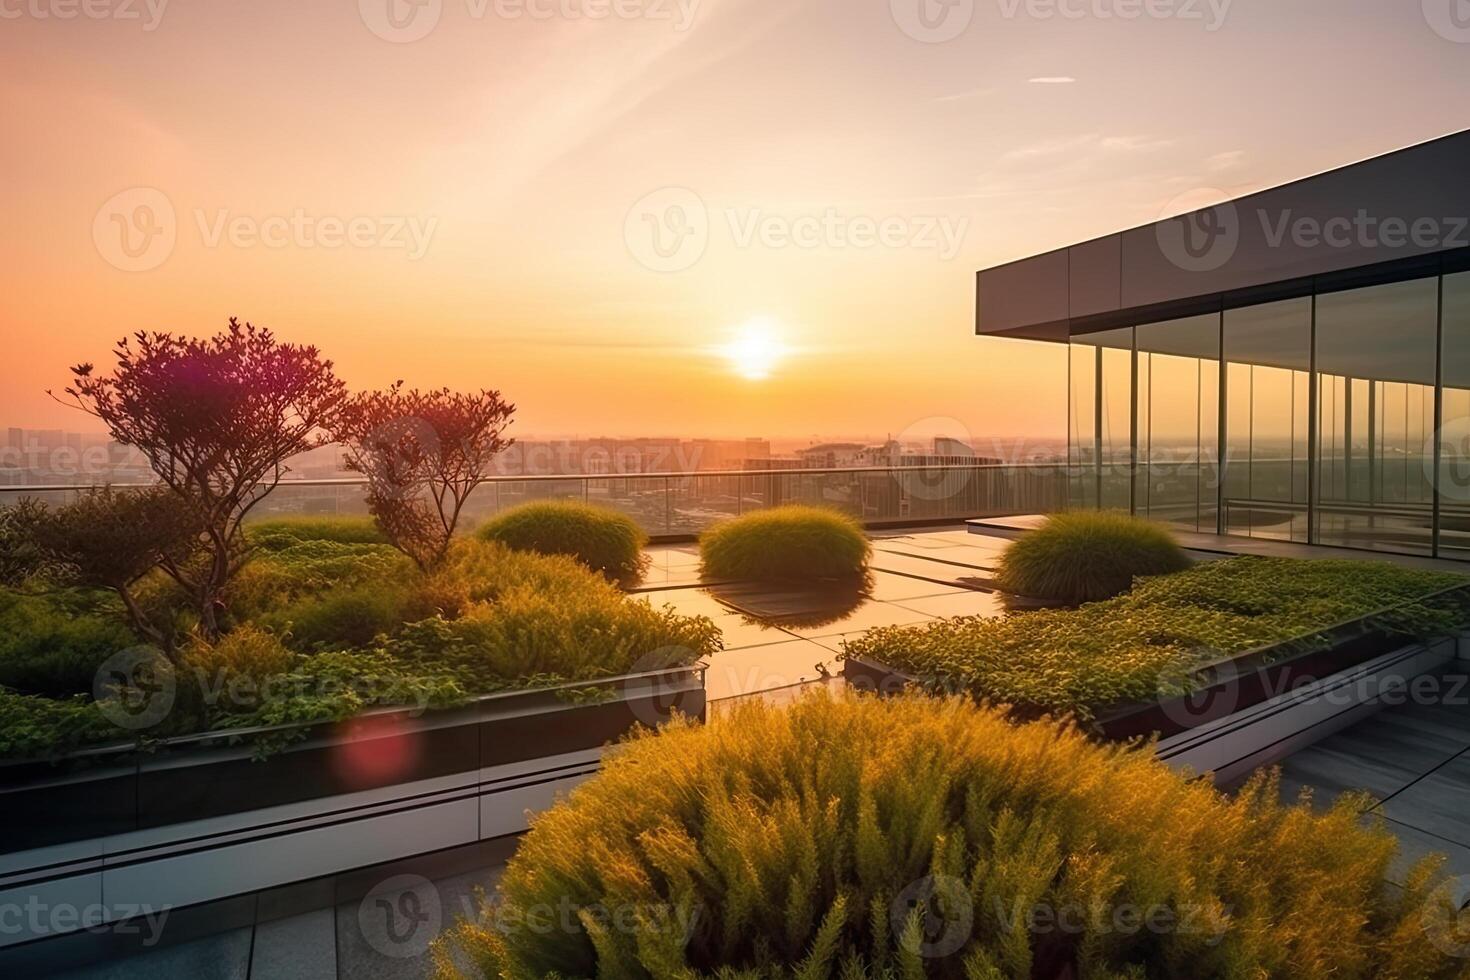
687, 503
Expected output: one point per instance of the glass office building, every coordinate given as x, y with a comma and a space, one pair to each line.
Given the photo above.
1297, 388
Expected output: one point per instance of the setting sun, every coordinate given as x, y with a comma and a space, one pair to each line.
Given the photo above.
756, 349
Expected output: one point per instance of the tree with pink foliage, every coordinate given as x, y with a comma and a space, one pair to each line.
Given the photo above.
423, 454
217, 420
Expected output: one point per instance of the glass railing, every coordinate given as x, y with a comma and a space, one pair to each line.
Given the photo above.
672, 504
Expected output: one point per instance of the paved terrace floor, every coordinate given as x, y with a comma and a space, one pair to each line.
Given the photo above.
1415, 759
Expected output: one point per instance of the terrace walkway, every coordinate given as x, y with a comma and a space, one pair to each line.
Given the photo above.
1414, 758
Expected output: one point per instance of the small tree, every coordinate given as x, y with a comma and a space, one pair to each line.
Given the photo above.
217, 420
110, 540
423, 454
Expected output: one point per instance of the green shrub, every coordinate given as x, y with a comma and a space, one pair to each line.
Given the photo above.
792, 543
53, 644
528, 636
346, 617
34, 727
283, 532
486, 569
340, 684
1152, 640
1084, 555
600, 538
912, 838
308, 621
300, 570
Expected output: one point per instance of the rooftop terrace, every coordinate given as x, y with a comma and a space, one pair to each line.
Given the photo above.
1414, 757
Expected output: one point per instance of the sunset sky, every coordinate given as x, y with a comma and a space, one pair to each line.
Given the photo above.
499, 175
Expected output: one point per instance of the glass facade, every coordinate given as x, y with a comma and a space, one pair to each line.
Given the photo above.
1336, 418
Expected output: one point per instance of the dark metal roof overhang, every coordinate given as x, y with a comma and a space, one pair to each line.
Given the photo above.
1395, 216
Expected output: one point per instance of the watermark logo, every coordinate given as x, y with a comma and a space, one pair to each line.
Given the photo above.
943, 475
401, 916
1445, 918
1205, 236
656, 695
1190, 696
1450, 19
393, 455
135, 688
667, 230
1453, 441
932, 21
946, 915
135, 230
401, 21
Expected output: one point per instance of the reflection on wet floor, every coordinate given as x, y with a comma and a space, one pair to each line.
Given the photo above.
778, 637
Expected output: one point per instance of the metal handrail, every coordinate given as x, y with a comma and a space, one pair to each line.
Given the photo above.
567, 477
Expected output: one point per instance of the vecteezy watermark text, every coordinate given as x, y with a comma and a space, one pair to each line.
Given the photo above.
937, 21
137, 229
148, 12
1206, 239
670, 229
34, 917
406, 21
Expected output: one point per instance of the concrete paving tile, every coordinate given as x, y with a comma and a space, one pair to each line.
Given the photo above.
968, 603
1438, 804
891, 587
222, 957
736, 673
302, 947
870, 613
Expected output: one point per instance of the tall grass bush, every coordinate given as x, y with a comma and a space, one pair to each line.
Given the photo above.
911, 837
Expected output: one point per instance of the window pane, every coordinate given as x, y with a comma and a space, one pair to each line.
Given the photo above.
1376, 366
1268, 355
1454, 438
1178, 430
1101, 413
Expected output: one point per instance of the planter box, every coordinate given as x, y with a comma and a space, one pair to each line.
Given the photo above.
198, 818
1255, 708
1235, 728
1231, 684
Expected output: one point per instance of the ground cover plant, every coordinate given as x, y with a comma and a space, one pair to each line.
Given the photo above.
603, 539
1151, 641
792, 543
913, 837
326, 620
1086, 555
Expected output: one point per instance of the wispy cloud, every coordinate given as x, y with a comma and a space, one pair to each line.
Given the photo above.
1052, 80
978, 93
1228, 160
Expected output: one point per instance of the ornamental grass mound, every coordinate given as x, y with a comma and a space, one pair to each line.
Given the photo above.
786, 544
603, 539
865, 838
1084, 556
